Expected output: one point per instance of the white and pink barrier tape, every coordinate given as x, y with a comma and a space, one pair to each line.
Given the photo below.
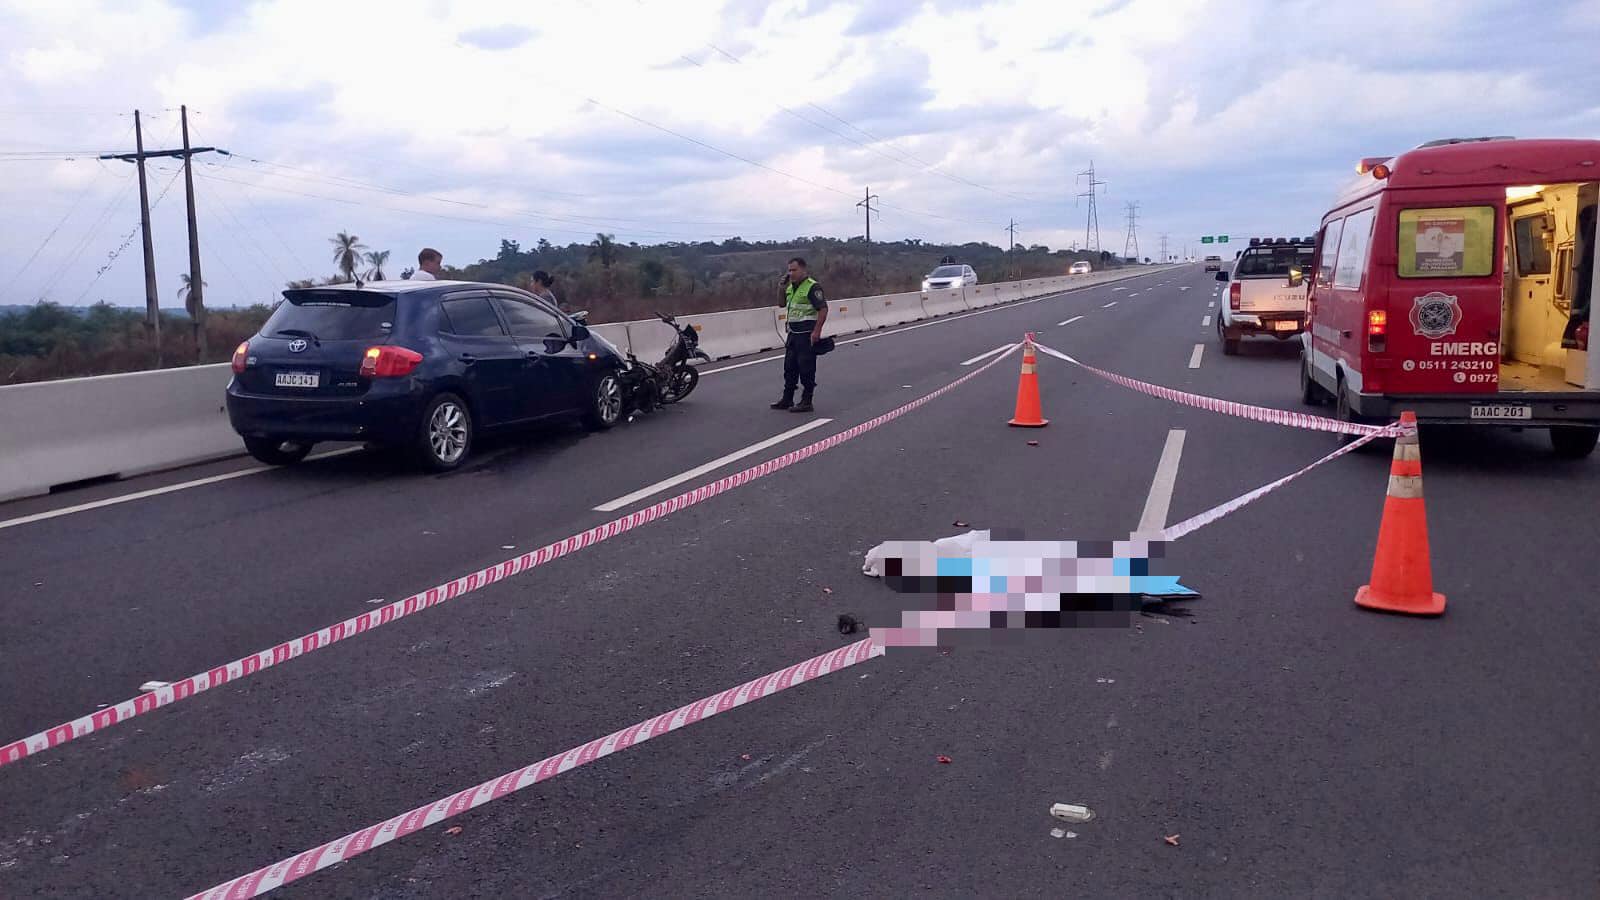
357, 842
1228, 407
225, 673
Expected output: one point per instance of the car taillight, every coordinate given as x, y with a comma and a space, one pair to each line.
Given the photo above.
1377, 330
1235, 293
389, 362
241, 353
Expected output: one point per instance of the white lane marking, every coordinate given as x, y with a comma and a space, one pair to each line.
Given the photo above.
983, 356
1183, 287
697, 471
1211, 305
1109, 305
153, 492
942, 321
1206, 322
1134, 294
1194, 358
1069, 321
1115, 289
1159, 501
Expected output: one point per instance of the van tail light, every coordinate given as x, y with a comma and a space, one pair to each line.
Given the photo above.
1581, 336
241, 354
389, 362
1377, 330
1235, 295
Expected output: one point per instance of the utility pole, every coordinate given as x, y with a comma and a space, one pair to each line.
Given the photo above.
152, 300
1130, 247
866, 206
196, 283
1091, 228
1011, 248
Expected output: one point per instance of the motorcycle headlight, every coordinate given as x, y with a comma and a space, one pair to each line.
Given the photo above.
926, 284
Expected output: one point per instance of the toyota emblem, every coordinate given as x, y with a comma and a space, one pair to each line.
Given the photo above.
297, 345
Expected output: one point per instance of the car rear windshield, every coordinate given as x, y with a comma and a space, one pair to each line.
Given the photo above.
947, 272
332, 315
1275, 260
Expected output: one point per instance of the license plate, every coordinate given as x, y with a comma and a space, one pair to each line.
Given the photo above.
1502, 411
1285, 325
296, 379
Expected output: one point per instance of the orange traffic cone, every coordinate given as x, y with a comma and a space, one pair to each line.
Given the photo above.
1028, 413
1402, 572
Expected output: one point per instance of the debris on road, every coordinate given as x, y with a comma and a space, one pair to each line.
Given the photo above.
374, 600
744, 756
849, 624
149, 686
1072, 812
945, 760
1057, 833
1105, 681
959, 524
827, 590
508, 546
1033, 443
1172, 839
454, 829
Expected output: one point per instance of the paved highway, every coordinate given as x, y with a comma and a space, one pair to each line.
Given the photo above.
1295, 744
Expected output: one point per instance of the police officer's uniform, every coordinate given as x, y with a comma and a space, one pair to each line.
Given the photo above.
801, 302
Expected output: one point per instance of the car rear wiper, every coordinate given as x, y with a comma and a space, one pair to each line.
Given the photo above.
298, 332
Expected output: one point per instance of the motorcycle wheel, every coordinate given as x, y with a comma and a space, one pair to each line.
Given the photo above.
683, 382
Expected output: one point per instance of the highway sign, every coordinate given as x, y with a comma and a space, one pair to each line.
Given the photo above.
1206, 239
1222, 239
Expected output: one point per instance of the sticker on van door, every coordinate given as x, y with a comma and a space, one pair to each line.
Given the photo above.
1435, 315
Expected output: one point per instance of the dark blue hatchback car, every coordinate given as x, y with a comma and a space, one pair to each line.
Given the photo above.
424, 366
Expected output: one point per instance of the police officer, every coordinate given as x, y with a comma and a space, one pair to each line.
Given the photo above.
805, 311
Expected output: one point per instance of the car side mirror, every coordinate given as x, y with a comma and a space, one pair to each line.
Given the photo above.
1221, 275
1296, 278
580, 332
581, 317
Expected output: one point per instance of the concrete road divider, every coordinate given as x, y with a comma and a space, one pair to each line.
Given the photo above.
739, 332
616, 333
650, 338
981, 295
892, 309
112, 426
943, 303
846, 317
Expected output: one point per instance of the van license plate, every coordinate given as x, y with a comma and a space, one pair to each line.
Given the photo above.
1285, 325
1502, 411
296, 379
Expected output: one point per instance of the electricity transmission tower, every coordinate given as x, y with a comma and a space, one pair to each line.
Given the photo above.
1091, 228
1130, 247
1164, 248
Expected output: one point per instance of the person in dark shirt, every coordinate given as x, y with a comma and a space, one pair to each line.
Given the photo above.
804, 310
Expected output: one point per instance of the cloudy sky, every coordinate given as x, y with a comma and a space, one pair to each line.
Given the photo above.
455, 124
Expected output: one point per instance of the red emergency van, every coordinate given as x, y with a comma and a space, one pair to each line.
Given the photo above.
1456, 280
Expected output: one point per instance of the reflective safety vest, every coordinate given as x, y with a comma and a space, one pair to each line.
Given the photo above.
798, 297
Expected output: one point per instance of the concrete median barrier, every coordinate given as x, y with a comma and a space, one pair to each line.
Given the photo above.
112, 426
737, 332
615, 332
846, 317
892, 309
943, 303
649, 339
981, 295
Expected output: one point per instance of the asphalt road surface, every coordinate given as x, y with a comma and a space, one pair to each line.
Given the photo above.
1294, 744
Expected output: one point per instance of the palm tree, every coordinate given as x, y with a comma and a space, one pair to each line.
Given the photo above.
604, 249
184, 293
376, 260
347, 253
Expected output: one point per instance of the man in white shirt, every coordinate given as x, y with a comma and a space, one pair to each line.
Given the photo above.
429, 265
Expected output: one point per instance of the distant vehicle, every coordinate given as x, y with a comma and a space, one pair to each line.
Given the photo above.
425, 366
1456, 281
1266, 291
1213, 264
949, 277
1080, 268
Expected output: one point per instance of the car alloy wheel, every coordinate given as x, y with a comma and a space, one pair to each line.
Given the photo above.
447, 432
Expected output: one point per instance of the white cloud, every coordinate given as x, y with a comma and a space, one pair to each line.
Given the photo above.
1241, 114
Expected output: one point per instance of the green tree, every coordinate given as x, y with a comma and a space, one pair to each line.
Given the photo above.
604, 251
347, 249
187, 295
377, 259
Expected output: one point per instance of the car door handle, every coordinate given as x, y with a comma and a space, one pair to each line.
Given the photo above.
468, 358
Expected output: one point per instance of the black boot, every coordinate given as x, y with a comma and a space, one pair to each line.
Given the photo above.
804, 406
787, 402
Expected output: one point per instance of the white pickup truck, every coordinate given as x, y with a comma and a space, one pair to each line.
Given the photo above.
1265, 291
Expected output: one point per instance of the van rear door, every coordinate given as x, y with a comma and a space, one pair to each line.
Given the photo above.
1444, 304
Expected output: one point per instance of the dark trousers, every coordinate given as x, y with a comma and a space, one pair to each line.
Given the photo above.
799, 362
